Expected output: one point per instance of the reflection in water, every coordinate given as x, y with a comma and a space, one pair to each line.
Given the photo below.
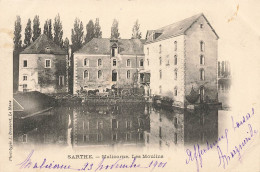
142, 125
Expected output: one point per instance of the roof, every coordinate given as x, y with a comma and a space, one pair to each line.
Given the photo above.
103, 46
44, 45
176, 29
32, 102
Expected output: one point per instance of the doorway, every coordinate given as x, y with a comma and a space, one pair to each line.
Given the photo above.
114, 75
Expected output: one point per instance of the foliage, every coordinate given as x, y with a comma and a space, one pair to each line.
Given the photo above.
77, 35
66, 44
28, 34
48, 29
36, 28
58, 31
97, 29
114, 30
90, 31
136, 34
17, 34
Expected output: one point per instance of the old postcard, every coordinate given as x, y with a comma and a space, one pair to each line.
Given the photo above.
130, 85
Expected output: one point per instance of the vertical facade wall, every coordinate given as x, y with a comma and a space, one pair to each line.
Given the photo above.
168, 83
193, 65
93, 82
52, 79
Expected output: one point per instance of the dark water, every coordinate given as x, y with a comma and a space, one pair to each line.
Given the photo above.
126, 124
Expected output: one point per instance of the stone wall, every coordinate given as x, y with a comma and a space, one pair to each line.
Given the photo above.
192, 59
168, 82
39, 78
93, 82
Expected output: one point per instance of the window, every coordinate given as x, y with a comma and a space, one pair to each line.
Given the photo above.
25, 88
128, 136
176, 91
99, 62
175, 45
147, 62
160, 132
175, 60
114, 124
114, 75
128, 74
85, 74
202, 92
85, 137
61, 80
114, 62
114, 50
160, 74
99, 74
202, 46
47, 63
141, 136
86, 62
24, 138
160, 60
141, 62
202, 74
168, 60
202, 60
25, 63
160, 89
175, 74
160, 49
201, 25
147, 139
25, 78
147, 51
100, 125
128, 62
114, 137
175, 138
128, 124
99, 137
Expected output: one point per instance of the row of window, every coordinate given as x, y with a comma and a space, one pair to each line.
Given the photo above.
47, 63
114, 124
202, 74
114, 63
61, 79
202, 60
175, 90
202, 47
114, 137
99, 74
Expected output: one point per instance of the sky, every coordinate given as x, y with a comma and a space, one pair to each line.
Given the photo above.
151, 14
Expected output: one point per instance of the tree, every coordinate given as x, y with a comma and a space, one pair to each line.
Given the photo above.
45, 28
136, 34
66, 44
90, 31
28, 34
48, 29
58, 32
77, 35
97, 29
36, 28
17, 34
17, 49
114, 30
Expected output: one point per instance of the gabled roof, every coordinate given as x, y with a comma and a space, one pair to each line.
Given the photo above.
43, 45
103, 46
176, 29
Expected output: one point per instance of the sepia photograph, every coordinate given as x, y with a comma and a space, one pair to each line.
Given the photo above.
129, 85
